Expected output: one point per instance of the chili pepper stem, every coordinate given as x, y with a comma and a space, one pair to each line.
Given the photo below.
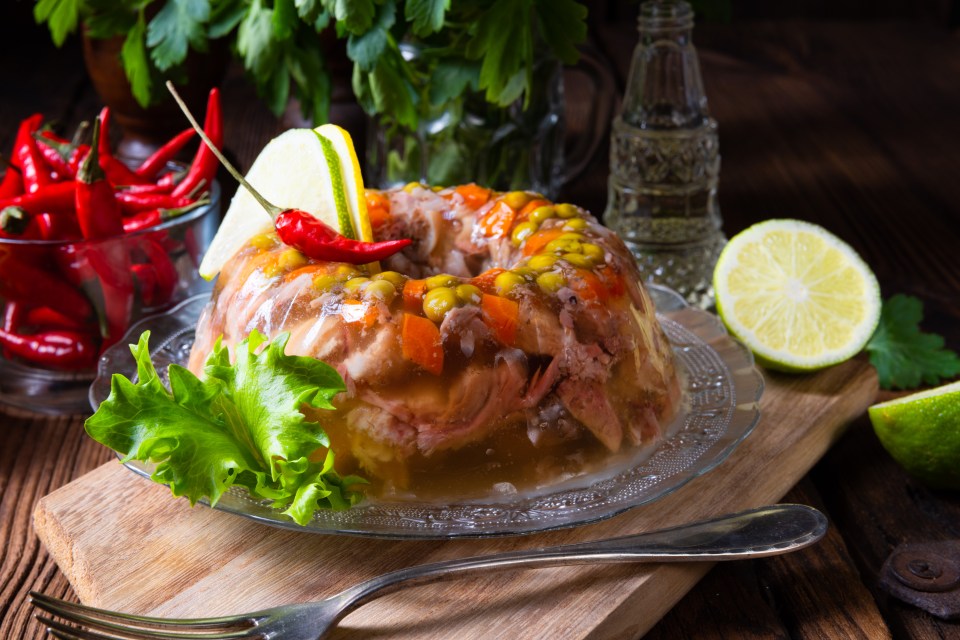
270, 208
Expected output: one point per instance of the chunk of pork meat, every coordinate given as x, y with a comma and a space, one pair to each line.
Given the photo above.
587, 401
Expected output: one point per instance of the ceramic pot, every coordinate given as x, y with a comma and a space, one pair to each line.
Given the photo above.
145, 129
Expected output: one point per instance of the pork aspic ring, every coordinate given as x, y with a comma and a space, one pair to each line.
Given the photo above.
511, 346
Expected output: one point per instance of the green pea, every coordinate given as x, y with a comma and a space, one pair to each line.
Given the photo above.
442, 280
325, 282
394, 278
516, 199
542, 262
579, 237
575, 224
355, 284
563, 245
523, 231
567, 211
551, 282
507, 282
469, 294
540, 214
438, 302
526, 273
577, 260
593, 252
380, 290
291, 259
345, 272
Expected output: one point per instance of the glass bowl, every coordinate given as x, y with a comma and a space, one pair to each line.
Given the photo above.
96, 289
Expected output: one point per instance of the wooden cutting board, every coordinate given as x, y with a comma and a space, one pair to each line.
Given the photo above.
124, 543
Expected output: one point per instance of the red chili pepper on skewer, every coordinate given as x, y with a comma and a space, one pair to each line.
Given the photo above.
317, 240
204, 166
298, 228
152, 166
57, 348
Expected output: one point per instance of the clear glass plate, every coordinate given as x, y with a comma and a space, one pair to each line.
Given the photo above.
722, 389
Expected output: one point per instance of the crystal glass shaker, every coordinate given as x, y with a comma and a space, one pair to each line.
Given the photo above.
665, 160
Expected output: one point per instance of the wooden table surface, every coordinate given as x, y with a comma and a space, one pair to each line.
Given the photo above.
853, 126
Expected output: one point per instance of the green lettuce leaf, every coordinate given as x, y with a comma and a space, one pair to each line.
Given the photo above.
240, 424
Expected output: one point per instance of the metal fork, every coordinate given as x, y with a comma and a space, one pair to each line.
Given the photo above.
749, 534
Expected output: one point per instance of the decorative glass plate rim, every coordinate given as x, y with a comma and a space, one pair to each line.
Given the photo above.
723, 409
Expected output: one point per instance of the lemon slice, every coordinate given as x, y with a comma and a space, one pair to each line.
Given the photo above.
799, 297
922, 433
316, 171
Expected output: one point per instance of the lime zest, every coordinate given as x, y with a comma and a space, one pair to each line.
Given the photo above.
336, 183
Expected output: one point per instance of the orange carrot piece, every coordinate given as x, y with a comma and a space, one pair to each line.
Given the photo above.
497, 222
413, 293
589, 287
535, 243
485, 280
421, 343
502, 316
378, 208
473, 195
359, 313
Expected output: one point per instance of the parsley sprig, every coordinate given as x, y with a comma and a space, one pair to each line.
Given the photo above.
903, 355
489, 45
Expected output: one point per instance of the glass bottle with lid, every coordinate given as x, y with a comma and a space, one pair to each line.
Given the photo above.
665, 159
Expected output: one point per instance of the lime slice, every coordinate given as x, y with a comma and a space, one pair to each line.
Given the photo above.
922, 433
299, 169
799, 297
353, 190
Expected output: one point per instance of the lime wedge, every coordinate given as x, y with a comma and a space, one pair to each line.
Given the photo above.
922, 433
298, 169
353, 190
799, 297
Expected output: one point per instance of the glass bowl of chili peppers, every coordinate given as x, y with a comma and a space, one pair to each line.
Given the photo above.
88, 246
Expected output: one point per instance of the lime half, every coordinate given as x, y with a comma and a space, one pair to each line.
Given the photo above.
799, 297
922, 433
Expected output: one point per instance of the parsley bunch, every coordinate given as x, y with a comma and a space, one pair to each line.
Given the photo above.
486, 44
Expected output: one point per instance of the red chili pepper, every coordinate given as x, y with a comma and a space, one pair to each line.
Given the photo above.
57, 348
27, 158
117, 172
204, 166
146, 280
56, 198
48, 318
56, 152
25, 282
131, 203
97, 210
163, 268
58, 227
147, 219
153, 165
320, 242
13, 316
12, 183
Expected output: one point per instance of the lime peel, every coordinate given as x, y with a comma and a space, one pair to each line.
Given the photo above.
922, 433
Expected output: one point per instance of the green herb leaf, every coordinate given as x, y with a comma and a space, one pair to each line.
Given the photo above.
135, 62
285, 19
426, 15
255, 42
225, 16
904, 356
563, 26
240, 424
451, 77
386, 90
61, 17
356, 16
176, 27
367, 48
503, 41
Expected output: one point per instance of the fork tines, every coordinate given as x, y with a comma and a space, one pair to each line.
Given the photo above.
100, 624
